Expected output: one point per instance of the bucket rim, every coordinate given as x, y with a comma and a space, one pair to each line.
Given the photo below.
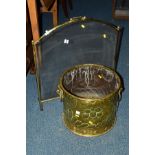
61, 87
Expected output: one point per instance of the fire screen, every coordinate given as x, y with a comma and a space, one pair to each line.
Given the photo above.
81, 40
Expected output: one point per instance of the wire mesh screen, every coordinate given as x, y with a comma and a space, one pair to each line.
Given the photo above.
79, 41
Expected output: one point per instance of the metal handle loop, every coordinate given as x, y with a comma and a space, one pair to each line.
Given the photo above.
60, 93
120, 94
119, 98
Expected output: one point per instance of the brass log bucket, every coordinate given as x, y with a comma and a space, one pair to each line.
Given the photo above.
90, 95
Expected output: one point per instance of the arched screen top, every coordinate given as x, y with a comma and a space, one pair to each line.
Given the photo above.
79, 41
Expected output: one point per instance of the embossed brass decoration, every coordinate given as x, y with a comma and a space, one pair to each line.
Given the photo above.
90, 94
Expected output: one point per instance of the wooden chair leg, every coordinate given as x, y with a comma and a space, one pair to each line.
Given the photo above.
55, 13
33, 14
70, 4
32, 7
64, 6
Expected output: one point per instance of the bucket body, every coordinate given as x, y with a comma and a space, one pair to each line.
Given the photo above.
90, 94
